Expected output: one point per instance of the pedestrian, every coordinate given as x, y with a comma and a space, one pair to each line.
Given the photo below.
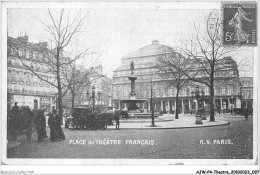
14, 120
117, 118
29, 123
246, 113
251, 111
231, 109
224, 107
40, 123
60, 133
52, 125
218, 107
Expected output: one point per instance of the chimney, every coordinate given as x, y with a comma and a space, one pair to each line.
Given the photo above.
43, 44
154, 42
24, 39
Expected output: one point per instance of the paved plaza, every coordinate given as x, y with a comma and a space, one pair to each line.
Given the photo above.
229, 141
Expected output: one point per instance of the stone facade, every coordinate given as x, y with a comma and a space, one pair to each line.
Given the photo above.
23, 86
226, 93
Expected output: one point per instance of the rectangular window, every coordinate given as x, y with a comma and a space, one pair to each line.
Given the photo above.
20, 53
34, 56
244, 94
231, 89
169, 92
181, 92
30, 54
27, 54
187, 91
206, 90
250, 94
157, 93
174, 91
24, 53
161, 92
224, 90
217, 90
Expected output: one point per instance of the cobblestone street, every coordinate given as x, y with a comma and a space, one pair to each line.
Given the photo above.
232, 141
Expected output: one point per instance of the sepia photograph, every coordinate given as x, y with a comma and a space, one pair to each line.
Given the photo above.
130, 83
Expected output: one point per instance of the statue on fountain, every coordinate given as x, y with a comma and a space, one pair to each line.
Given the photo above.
132, 67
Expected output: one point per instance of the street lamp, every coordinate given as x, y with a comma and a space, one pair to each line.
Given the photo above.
199, 96
93, 97
23, 91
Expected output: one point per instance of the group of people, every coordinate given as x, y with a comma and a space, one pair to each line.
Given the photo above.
247, 112
36, 119
56, 132
54, 122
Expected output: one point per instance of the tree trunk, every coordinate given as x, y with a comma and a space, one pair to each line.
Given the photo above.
152, 109
72, 103
212, 110
59, 85
151, 105
177, 106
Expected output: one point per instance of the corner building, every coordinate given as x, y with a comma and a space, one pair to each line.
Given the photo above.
23, 86
226, 93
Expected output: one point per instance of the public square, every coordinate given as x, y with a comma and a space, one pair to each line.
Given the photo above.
182, 143
160, 80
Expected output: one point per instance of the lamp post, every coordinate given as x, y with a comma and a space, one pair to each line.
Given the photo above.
23, 91
241, 102
93, 97
199, 97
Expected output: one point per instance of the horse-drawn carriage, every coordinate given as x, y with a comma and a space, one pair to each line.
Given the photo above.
92, 119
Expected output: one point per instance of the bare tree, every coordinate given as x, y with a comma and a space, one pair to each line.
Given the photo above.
173, 68
62, 29
152, 94
148, 90
207, 57
77, 78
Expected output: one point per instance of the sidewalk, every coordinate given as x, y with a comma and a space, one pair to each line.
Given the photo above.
184, 121
234, 116
12, 144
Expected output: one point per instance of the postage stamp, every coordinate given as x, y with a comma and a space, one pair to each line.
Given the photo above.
239, 23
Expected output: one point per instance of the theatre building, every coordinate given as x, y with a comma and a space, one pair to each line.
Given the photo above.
247, 91
226, 93
23, 86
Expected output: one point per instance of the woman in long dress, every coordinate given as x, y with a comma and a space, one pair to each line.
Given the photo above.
60, 133
52, 125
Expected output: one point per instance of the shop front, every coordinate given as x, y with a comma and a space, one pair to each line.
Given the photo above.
45, 103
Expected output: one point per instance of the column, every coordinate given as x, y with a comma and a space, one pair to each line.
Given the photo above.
168, 105
182, 106
124, 105
221, 103
161, 105
109, 100
148, 106
189, 105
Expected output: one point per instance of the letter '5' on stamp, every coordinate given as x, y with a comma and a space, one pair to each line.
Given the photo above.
239, 23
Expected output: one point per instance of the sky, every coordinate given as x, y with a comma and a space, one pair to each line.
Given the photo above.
114, 30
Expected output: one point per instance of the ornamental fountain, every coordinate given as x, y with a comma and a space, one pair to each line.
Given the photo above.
133, 101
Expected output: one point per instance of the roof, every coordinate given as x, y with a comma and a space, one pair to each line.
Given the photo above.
154, 49
246, 81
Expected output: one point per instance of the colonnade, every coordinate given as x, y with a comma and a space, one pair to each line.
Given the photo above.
168, 105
